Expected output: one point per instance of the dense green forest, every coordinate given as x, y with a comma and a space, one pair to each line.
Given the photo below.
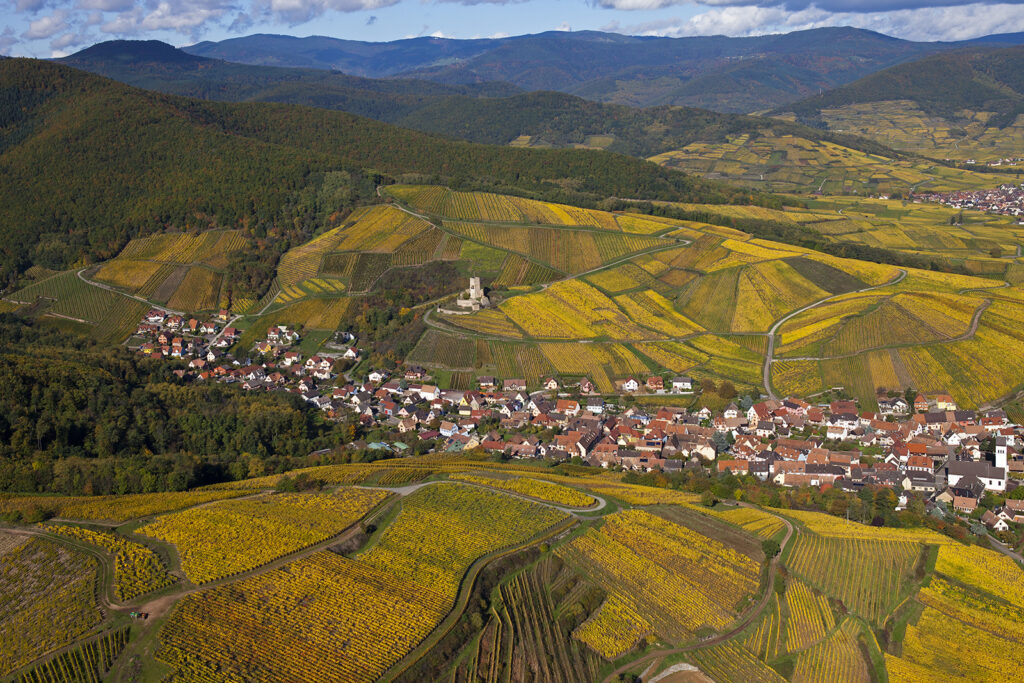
79, 418
89, 163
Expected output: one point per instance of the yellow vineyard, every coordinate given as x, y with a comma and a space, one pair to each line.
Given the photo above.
235, 536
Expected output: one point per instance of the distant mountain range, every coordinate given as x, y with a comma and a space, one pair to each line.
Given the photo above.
491, 113
714, 72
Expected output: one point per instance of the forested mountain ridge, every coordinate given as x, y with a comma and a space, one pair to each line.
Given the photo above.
488, 113
88, 163
977, 79
716, 72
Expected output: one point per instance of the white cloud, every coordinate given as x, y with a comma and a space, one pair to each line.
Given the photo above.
564, 26
180, 16
47, 26
29, 5
838, 6
68, 40
106, 5
124, 24
7, 41
926, 24
177, 18
301, 11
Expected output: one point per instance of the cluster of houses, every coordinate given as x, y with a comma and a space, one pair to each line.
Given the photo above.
929, 447
161, 334
1005, 199
205, 346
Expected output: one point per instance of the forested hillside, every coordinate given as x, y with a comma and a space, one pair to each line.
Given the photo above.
975, 79
89, 163
79, 417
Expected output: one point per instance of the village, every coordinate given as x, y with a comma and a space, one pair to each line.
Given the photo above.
927, 449
1005, 199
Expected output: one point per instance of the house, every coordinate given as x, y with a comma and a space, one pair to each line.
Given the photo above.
916, 481
630, 386
993, 478
587, 387
568, 407
377, 376
945, 402
231, 333
318, 364
655, 384
994, 522
734, 466
682, 384
892, 406
551, 384
513, 385
351, 353
595, 405
965, 505
415, 372
919, 463
429, 392
486, 382
920, 403
1013, 511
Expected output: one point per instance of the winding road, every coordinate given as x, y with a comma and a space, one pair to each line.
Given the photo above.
130, 296
770, 355
963, 337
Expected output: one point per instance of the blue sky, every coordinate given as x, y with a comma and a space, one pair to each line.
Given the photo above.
45, 28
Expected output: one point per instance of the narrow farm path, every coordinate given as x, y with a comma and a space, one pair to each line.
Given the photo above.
966, 335
158, 605
93, 283
744, 621
770, 355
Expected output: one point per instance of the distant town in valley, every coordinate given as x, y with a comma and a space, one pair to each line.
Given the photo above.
1007, 200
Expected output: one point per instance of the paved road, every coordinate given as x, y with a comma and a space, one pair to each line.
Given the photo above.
769, 357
